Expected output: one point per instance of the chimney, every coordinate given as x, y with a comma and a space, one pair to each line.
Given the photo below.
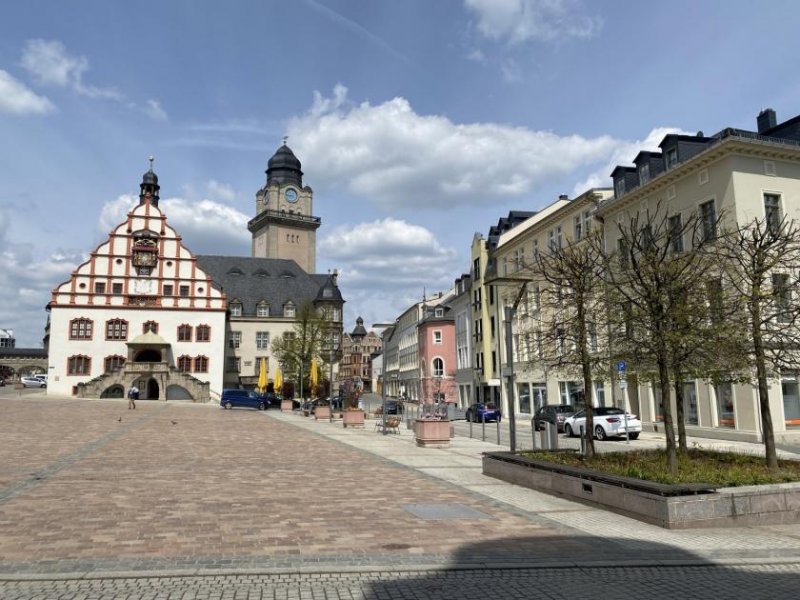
563, 197
767, 119
335, 277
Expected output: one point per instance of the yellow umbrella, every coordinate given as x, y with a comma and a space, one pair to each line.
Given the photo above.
262, 376
278, 381
313, 376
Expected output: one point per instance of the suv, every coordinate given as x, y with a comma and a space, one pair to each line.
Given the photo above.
246, 398
552, 413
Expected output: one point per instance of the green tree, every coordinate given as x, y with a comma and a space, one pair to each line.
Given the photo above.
295, 349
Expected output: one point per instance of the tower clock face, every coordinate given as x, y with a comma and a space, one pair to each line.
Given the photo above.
290, 195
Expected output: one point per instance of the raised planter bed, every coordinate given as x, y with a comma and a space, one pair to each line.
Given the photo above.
353, 418
670, 506
432, 433
286, 406
322, 413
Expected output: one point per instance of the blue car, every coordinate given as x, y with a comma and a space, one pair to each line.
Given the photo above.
245, 398
480, 413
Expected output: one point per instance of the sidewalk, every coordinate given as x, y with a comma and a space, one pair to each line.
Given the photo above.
460, 465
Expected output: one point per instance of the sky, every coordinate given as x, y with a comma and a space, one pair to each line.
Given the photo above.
418, 123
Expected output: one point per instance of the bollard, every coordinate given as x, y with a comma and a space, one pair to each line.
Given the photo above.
483, 428
498, 432
583, 441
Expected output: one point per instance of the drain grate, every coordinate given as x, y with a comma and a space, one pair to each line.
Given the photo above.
441, 512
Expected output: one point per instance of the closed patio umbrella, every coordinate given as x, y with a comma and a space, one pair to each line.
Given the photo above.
262, 376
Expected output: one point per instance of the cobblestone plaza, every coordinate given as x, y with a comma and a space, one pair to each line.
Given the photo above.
178, 500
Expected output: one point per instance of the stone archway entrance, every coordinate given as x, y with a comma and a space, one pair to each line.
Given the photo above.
152, 389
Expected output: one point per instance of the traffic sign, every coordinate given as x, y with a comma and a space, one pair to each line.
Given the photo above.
621, 366
623, 384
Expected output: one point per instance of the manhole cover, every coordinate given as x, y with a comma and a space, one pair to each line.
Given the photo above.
444, 511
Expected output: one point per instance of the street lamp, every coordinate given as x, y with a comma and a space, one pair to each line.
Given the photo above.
383, 326
333, 351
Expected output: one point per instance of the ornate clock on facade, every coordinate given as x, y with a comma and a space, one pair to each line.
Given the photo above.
291, 195
145, 256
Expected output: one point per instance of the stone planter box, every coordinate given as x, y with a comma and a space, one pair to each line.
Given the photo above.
353, 418
322, 413
286, 406
669, 506
432, 433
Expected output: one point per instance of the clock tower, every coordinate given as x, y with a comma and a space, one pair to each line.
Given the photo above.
284, 226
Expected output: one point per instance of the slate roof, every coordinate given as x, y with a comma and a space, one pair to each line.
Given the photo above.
274, 280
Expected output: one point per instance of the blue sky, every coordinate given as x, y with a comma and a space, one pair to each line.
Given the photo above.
418, 123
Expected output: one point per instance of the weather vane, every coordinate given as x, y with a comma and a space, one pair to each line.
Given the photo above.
286, 137
151, 158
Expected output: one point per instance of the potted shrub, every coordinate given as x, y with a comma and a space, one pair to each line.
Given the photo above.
432, 429
353, 417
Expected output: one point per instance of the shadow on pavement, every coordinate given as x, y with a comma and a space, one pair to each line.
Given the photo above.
588, 567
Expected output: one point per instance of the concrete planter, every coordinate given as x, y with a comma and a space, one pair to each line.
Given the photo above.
353, 418
432, 433
672, 507
286, 406
322, 413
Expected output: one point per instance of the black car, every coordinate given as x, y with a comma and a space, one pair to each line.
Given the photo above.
393, 407
552, 413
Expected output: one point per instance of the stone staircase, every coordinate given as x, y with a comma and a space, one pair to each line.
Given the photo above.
172, 383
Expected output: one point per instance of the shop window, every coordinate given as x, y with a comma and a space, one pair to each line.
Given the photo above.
726, 416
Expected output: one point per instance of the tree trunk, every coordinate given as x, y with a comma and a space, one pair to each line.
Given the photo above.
763, 391
680, 415
587, 378
669, 429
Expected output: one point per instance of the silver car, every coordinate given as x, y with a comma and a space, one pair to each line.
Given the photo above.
34, 382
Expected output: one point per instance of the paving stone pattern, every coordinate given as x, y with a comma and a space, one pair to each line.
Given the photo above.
177, 500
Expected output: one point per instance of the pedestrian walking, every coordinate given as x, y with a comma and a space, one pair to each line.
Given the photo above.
133, 396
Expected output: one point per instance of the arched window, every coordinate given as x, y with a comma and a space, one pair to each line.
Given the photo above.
185, 363
438, 367
116, 329
288, 310
150, 326
236, 308
201, 364
184, 333
262, 310
79, 365
202, 333
80, 329
114, 362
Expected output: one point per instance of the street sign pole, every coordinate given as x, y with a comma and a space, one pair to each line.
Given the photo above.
623, 385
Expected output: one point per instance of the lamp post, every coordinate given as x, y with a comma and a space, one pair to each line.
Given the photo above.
334, 347
383, 326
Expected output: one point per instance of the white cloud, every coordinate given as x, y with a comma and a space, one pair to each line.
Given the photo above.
50, 64
153, 109
623, 154
397, 158
16, 99
518, 21
388, 253
511, 71
220, 191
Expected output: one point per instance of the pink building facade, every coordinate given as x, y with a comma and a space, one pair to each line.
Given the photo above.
437, 355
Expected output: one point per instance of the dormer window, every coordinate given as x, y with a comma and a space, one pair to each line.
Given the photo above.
672, 158
288, 310
644, 173
262, 310
619, 187
439, 312
236, 309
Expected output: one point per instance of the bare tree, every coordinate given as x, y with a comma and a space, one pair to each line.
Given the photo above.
655, 276
762, 257
569, 285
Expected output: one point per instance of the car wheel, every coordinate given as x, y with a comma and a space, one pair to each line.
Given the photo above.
568, 431
634, 436
600, 433
228, 405
262, 406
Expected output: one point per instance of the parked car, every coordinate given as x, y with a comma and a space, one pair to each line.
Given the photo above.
552, 413
311, 405
2, 382
608, 421
480, 413
41, 377
31, 381
246, 398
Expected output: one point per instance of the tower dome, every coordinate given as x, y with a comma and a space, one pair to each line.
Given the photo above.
149, 186
284, 167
